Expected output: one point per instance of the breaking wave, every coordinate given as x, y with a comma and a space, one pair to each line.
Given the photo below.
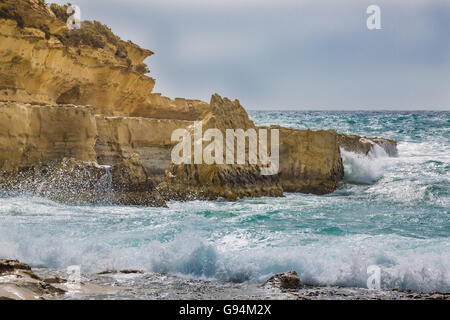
365, 169
192, 240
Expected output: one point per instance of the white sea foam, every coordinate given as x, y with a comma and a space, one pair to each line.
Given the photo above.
365, 169
406, 264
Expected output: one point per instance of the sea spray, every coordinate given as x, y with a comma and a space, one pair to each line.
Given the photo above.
365, 169
103, 187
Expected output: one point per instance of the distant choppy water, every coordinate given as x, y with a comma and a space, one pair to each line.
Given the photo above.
390, 212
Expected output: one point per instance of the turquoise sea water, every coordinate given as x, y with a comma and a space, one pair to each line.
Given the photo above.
390, 212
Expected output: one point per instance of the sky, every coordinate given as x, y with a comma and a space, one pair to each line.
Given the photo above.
290, 54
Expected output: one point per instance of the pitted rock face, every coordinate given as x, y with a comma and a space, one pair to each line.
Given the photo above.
213, 181
39, 62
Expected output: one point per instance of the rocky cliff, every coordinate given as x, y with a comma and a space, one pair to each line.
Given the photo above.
310, 161
41, 62
211, 181
79, 123
52, 150
31, 134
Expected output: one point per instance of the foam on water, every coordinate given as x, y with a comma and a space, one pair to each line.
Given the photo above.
366, 169
390, 212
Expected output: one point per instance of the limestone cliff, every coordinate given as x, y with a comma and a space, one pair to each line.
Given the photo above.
78, 116
310, 161
143, 143
38, 63
159, 107
31, 134
211, 181
50, 150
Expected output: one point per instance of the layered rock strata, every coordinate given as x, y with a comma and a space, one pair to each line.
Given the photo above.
119, 148
50, 151
220, 179
310, 161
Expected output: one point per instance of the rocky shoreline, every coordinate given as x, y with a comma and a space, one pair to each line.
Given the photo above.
19, 282
79, 123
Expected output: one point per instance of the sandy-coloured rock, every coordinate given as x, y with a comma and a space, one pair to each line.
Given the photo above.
143, 139
35, 66
18, 282
212, 181
33, 134
363, 145
49, 150
310, 161
160, 107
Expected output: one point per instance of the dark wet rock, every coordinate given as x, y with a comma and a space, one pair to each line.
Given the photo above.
55, 280
126, 271
287, 280
10, 265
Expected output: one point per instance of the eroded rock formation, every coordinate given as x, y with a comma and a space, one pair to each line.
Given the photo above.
211, 181
310, 161
50, 150
79, 116
39, 64
363, 145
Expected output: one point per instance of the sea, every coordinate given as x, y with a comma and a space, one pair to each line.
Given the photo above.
389, 212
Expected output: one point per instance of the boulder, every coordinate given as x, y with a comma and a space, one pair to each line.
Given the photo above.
284, 281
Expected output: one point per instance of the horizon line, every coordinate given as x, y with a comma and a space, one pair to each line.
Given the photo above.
351, 110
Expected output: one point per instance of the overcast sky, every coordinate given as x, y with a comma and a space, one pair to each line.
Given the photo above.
290, 54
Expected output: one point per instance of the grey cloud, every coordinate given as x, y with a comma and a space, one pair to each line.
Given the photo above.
291, 54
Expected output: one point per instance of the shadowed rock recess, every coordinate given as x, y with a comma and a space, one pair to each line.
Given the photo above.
79, 123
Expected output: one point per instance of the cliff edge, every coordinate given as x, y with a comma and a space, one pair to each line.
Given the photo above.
79, 123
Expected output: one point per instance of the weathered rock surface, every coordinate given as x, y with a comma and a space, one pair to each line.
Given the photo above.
36, 66
137, 139
31, 134
119, 149
159, 107
310, 161
211, 181
18, 282
49, 150
284, 281
363, 145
